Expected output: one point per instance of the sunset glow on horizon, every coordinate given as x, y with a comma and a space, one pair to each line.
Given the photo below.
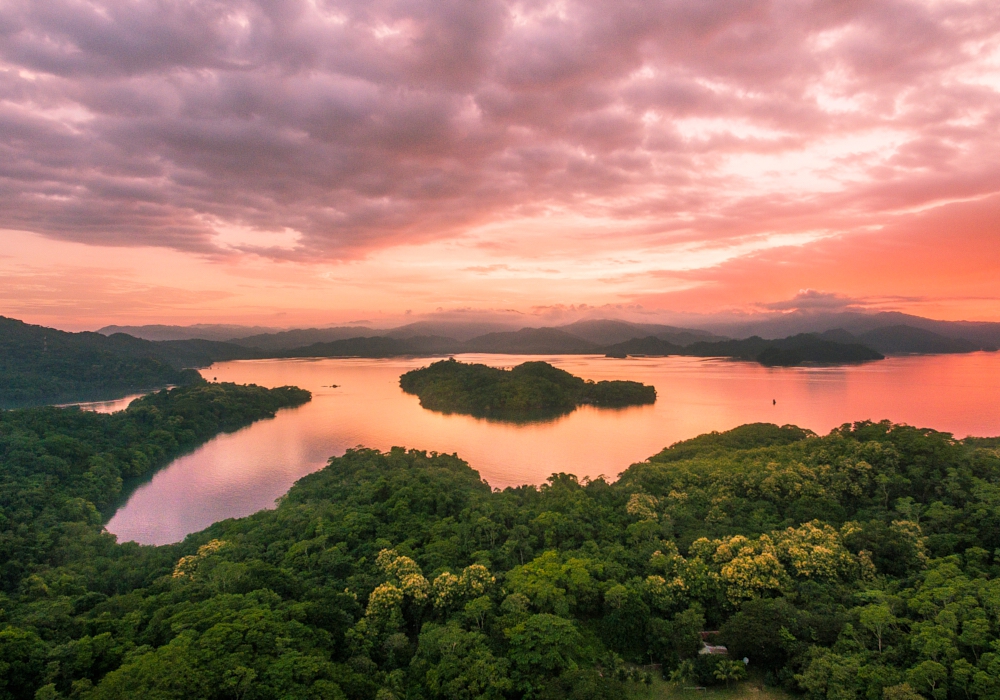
309, 162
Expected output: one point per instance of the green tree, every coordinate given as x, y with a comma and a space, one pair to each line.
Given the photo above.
543, 645
727, 670
459, 664
877, 619
929, 677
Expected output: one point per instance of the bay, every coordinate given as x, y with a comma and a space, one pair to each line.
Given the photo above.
359, 402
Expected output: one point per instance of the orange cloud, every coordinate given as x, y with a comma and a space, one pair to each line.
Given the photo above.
334, 159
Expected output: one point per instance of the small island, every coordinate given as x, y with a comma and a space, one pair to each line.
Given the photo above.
529, 391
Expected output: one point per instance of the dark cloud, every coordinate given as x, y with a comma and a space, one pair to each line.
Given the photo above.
367, 124
813, 300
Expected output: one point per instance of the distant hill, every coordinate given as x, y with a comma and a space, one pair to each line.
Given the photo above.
784, 352
899, 340
600, 333
611, 331
838, 335
375, 346
41, 365
982, 334
832, 338
531, 341
903, 340
459, 330
551, 341
650, 345
806, 347
302, 337
486, 337
199, 331
202, 353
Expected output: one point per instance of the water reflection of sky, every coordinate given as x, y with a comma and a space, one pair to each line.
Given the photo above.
105, 406
237, 474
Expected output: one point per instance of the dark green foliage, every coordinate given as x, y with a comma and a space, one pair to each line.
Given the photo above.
531, 389
745, 437
856, 566
763, 630
60, 467
784, 352
41, 365
902, 339
375, 346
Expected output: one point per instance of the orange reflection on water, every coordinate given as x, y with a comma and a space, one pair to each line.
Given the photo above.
237, 474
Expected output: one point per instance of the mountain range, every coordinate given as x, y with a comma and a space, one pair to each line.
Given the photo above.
198, 331
887, 332
882, 332
44, 365
980, 333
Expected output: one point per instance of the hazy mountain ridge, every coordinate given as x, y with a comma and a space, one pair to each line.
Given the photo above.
459, 330
612, 331
375, 346
531, 341
606, 332
301, 337
981, 333
896, 340
489, 337
794, 350
198, 331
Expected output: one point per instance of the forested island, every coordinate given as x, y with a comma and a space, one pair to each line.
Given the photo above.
860, 565
531, 389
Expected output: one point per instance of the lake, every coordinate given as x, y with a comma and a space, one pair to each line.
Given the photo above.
359, 402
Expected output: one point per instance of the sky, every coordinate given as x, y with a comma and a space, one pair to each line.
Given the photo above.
312, 162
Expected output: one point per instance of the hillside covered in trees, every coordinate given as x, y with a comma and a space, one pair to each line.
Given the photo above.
860, 565
40, 365
528, 390
59, 467
43, 365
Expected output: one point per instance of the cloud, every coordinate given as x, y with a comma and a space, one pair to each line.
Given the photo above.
940, 262
344, 127
486, 269
813, 300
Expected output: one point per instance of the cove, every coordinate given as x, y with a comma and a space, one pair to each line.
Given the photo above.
359, 402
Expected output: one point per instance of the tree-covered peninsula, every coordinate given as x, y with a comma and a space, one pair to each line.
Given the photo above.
59, 467
863, 565
40, 365
529, 389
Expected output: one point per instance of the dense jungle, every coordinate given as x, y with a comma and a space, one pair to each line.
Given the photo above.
860, 564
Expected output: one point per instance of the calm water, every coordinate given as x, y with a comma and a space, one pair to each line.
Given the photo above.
104, 406
237, 474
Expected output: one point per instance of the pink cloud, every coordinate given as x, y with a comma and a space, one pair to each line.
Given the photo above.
941, 262
335, 129
363, 124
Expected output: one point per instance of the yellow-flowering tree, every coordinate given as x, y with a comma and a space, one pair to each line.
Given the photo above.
815, 550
